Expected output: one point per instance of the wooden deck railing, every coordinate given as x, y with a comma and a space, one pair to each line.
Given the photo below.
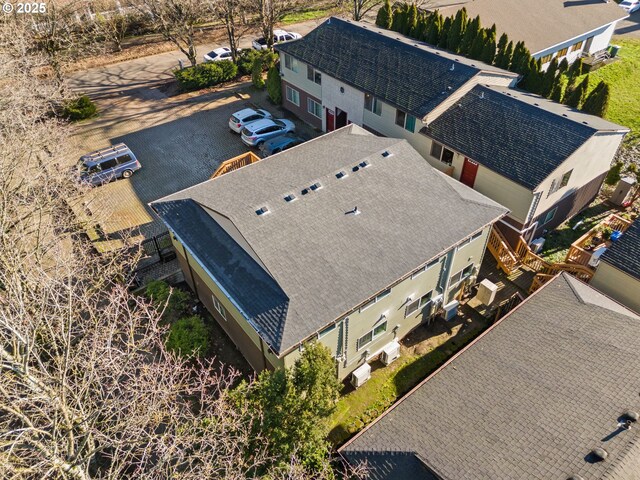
541, 266
539, 280
501, 251
236, 163
579, 255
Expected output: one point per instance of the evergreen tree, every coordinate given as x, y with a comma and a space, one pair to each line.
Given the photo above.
444, 34
597, 101
412, 20
575, 70
399, 18
478, 44
549, 78
384, 19
274, 85
532, 80
456, 32
434, 30
470, 33
505, 62
521, 59
489, 49
257, 78
575, 97
559, 87
421, 27
563, 66
501, 50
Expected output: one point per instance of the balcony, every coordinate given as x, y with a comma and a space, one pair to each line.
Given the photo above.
595, 241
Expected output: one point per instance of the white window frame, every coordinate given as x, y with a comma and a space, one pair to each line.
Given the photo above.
418, 304
462, 276
311, 101
290, 63
294, 93
442, 149
316, 75
376, 105
219, 307
371, 332
548, 218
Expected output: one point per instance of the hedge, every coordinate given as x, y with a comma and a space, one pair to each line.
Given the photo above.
206, 75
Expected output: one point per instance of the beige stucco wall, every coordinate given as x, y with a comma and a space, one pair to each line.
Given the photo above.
589, 161
618, 285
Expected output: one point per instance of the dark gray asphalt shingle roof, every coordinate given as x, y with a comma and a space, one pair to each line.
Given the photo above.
625, 253
515, 139
528, 400
254, 291
325, 261
410, 78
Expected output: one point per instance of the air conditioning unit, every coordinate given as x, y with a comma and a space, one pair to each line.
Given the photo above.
390, 352
450, 310
360, 375
487, 291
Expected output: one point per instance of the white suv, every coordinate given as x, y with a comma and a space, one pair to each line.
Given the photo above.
279, 36
241, 119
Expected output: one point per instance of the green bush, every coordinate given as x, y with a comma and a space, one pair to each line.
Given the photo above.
79, 109
188, 336
274, 85
247, 58
205, 75
256, 73
161, 294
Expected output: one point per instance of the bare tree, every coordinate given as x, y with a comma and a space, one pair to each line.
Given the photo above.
176, 20
232, 15
360, 8
111, 22
269, 13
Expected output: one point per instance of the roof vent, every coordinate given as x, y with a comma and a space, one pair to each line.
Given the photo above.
316, 186
564, 115
449, 88
355, 169
537, 105
482, 95
290, 198
304, 191
386, 154
630, 415
585, 123
599, 454
341, 174
364, 164
262, 211
355, 211
453, 67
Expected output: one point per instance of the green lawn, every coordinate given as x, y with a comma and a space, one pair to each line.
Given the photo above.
360, 407
297, 17
623, 79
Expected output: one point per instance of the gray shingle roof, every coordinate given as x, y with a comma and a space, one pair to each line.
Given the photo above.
529, 399
412, 78
625, 253
326, 261
518, 140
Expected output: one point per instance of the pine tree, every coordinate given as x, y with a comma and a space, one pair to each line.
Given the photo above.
501, 50
478, 44
421, 26
521, 59
435, 29
489, 49
575, 97
559, 87
597, 101
384, 19
399, 18
444, 34
473, 27
575, 70
563, 66
505, 62
532, 80
456, 32
412, 20
549, 78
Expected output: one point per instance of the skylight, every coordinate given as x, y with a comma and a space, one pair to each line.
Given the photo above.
262, 211
290, 198
315, 186
341, 174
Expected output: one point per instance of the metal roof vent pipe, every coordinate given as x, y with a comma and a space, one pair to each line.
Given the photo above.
631, 415
355, 211
599, 454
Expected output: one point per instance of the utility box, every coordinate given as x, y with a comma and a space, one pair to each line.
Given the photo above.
390, 352
622, 193
450, 310
360, 375
487, 291
537, 245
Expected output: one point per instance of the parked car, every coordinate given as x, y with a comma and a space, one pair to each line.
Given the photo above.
241, 119
630, 5
222, 53
279, 144
279, 36
256, 133
107, 164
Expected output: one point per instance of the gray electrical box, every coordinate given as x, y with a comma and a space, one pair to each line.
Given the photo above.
623, 191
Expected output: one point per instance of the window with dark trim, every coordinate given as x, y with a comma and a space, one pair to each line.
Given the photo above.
368, 337
417, 304
372, 104
565, 179
549, 216
314, 75
378, 297
406, 121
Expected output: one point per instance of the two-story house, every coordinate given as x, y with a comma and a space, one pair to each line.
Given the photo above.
550, 391
618, 273
543, 161
349, 239
549, 28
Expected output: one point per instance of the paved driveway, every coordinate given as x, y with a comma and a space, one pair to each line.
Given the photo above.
629, 27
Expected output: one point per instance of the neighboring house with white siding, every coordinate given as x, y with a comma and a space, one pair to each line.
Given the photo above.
549, 28
335, 240
543, 161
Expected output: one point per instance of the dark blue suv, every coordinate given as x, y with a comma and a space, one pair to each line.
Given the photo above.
107, 164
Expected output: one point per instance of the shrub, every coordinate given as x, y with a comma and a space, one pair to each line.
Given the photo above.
159, 293
613, 176
274, 85
256, 73
79, 109
205, 75
248, 56
385, 15
597, 102
188, 336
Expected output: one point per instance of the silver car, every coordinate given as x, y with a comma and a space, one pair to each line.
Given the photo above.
241, 119
256, 133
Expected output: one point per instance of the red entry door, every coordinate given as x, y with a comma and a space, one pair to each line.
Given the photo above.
331, 124
469, 171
